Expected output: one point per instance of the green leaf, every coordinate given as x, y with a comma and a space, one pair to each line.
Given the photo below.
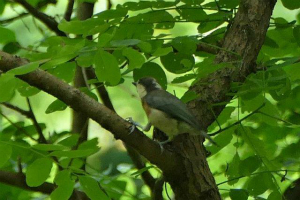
5, 154
291, 4
124, 43
86, 59
104, 39
192, 2
233, 169
107, 68
8, 85
208, 66
24, 69
56, 105
70, 141
11, 47
58, 61
2, 6
74, 153
222, 139
145, 47
275, 195
136, 60
90, 144
161, 18
162, 51
238, 194
183, 78
189, 96
65, 186
49, 147
6, 35
192, 14
65, 71
27, 90
91, 187
153, 70
185, 45
173, 62
89, 93
296, 32
249, 165
38, 172
63, 192
111, 14
260, 183
87, 27
229, 3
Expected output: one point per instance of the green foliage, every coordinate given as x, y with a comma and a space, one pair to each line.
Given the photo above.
257, 132
91, 187
6, 152
37, 175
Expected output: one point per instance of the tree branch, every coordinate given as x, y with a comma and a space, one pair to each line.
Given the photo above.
80, 102
69, 10
47, 20
18, 180
134, 155
41, 138
17, 109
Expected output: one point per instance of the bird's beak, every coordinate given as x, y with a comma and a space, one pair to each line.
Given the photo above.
134, 83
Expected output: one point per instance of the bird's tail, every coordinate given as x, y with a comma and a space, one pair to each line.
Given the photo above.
208, 137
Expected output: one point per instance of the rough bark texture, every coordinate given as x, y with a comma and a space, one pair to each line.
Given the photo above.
184, 161
102, 115
245, 37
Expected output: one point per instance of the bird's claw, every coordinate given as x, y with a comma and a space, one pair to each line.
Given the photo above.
133, 126
163, 143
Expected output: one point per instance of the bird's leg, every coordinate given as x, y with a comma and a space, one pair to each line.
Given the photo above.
163, 143
147, 127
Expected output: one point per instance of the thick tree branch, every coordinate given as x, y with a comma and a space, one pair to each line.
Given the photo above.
134, 155
94, 110
18, 180
47, 20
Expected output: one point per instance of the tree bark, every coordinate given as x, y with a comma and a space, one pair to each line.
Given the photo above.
245, 37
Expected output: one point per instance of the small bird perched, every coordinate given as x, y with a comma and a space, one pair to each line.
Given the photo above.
165, 111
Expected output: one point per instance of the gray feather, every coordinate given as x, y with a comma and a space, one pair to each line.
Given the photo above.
166, 102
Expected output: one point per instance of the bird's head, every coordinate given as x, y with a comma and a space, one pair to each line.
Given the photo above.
146, 85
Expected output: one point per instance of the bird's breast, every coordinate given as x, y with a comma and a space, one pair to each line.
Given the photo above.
163, 122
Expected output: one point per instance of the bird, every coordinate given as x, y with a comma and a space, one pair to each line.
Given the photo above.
165, 111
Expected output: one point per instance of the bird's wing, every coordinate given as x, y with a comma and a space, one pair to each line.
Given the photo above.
166, 102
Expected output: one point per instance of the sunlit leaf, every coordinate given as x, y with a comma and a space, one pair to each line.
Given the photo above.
38, 172
91, 187
6, 151
56, 105
107, 68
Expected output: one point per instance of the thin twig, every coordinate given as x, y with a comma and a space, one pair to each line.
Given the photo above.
275, 118
243, 176
238, 122
19, 128
47, 20
41, 138
17, 109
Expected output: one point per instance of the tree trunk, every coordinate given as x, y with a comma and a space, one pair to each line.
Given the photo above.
245, 37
